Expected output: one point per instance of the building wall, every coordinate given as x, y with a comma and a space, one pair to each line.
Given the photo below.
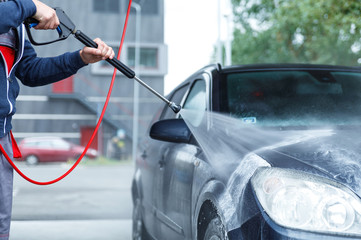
41, 111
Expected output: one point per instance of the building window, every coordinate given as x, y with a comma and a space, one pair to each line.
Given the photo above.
106, 6
153, 59
148, 57
149, 7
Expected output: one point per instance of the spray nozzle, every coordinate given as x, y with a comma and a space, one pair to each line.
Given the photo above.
175, 107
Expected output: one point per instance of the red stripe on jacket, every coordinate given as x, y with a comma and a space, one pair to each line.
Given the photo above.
9, 55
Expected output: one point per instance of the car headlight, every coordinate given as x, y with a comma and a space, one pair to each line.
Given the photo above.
298, 200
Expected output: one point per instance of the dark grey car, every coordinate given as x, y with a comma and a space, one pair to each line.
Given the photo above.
288, 167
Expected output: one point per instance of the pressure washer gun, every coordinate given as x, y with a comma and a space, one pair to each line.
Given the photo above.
67, 27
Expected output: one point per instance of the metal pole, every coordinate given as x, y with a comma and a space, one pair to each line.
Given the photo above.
136, 85
229, 19
219, 43
228, 41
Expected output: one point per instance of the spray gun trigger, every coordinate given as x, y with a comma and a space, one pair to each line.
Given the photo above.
58, 29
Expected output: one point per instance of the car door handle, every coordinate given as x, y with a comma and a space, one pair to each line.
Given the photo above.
161, 163
144, 155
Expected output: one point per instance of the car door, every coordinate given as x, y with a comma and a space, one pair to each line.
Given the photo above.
148, 161
61, 150
175, 176
43, 150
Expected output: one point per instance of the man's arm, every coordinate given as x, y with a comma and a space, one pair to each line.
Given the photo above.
34, 71
13, 13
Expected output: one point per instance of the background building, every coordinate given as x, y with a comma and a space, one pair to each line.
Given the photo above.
70, 108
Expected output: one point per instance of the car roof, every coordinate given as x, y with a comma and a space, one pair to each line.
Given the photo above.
287, 66
263, 67
28, 139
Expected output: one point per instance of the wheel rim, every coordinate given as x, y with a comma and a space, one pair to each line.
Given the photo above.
214, 238
215, 230
31, 160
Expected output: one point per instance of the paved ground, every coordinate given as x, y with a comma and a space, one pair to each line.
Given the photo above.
94, 202
71, 230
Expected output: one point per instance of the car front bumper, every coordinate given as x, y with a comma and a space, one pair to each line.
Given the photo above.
261, 227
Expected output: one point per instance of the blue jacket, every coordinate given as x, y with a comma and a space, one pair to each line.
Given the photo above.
28, 68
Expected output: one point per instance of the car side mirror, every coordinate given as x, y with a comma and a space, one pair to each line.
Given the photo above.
171, 130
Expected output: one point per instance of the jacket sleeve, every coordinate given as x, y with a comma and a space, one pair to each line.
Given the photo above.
13, 13
35, 71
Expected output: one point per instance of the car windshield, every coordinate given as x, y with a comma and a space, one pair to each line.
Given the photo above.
294, 98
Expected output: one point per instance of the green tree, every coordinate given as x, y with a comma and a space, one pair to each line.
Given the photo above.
297, 31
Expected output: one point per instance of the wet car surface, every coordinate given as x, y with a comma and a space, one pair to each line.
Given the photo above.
285, 164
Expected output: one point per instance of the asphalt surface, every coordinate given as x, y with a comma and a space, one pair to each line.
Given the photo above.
94, 202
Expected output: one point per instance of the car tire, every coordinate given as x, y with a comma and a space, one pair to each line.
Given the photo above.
139, 232
32, 160
215, 230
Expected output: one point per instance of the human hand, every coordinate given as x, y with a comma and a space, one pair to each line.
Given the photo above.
93, 55
46, 16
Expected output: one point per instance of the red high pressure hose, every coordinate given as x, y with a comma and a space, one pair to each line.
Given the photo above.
95, 130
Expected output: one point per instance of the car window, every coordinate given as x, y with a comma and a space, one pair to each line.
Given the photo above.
44, 144
60, 144
176, 98
294, 98
196, 101
31, 144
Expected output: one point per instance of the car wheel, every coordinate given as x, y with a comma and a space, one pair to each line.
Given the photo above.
215, 230
139, 232
32, 160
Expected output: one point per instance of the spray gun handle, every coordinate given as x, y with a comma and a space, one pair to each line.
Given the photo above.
114, 62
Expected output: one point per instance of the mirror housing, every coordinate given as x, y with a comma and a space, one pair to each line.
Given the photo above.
171, 130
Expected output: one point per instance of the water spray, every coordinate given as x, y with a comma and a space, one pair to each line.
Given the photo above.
67, 27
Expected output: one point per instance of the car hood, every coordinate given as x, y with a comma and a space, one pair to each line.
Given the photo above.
335, 154
330, 153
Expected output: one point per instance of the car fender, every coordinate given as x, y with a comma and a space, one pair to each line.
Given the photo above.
233, 201
136, 186
215, 192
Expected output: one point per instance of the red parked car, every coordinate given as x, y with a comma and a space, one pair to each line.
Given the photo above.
51, 149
